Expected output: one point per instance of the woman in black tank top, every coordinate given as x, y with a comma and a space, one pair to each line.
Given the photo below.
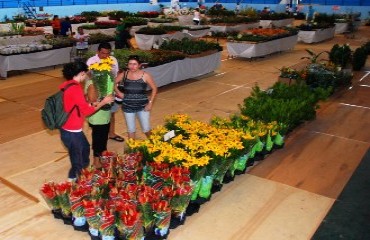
132, 88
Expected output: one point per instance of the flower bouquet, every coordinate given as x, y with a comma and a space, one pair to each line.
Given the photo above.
48, 192
103, 79
162, 218
107, 227
78, 193
129, 223
92, 214
63, 190
181, 195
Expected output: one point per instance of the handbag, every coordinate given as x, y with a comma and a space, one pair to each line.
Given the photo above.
121, 84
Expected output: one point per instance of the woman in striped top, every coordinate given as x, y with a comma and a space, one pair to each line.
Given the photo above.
132, 87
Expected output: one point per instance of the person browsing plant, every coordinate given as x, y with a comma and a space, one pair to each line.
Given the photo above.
132, 87
71, 132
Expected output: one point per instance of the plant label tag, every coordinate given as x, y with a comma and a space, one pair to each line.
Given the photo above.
169, 135
185, 31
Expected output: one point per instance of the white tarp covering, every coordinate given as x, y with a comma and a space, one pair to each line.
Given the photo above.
233, 28
37, 59
184, 69
276, 23
316, 36
251, 50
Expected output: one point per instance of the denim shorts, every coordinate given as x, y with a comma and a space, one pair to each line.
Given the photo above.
115, 107
144, 119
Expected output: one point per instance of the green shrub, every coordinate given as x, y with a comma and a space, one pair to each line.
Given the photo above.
288, 105
189, 46
359, 58
90, 16
340, 55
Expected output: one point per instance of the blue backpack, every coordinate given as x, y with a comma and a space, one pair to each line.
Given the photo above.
53, 114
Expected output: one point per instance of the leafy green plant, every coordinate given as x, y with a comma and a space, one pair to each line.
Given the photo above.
134, 21
340, 55
90, 16
117, 15
359, 58
189, 46
314, 57
288, 105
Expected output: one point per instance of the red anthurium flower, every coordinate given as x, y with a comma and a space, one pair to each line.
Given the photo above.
48, 190
161, 206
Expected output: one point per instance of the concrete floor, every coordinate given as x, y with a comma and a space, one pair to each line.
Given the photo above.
284, 197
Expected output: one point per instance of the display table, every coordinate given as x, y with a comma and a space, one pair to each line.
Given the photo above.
251, 50
233, 28
15, 40
344, 27
184, 69
316, 35
194, 33
45, 58
276, 23
146, 42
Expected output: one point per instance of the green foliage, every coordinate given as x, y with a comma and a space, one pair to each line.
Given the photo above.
366, 46
249, 12
99, 38
319, 76
134, 21
359, 58
90, 16
189, 46
232, 20
159, 30
117, 15
340, 55
314, 57
323, 18
288, 105
214, 12
274, 16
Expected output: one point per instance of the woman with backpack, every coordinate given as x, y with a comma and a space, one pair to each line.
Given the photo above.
71, 132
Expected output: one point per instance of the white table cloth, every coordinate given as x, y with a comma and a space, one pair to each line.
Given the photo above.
37, 59
15, 40
146, 42
316, 36
276, 23
184, 69
233, 28
251, 50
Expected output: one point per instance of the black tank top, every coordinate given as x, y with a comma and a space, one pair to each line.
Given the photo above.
135, 97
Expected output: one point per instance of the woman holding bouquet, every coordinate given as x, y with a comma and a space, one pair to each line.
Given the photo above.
71, 132
132, 88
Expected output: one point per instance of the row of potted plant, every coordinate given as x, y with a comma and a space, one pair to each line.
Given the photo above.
262, 34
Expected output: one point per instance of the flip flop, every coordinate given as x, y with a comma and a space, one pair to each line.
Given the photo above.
117, 138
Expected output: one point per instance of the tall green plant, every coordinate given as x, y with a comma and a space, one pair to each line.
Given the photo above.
288, 105
340, 55
314, 57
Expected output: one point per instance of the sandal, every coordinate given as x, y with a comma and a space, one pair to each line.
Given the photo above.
117, 138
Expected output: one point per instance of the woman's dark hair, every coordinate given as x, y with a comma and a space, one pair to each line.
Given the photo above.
134, 57
72, 69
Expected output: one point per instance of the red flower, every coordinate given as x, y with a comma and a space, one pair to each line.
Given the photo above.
48, 190
161, 206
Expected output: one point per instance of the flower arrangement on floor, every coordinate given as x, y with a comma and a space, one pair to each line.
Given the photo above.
152, 189
262, 34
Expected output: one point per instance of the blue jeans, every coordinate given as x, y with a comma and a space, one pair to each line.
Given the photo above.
144, 119
78, 150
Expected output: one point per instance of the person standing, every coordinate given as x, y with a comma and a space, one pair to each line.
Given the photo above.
71, 132
123, 37
196, 17
66, 27
104, 51
82, 42
135, 102
55, 24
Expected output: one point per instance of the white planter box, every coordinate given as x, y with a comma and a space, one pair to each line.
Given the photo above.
251, 50
316, 35
146, 42
276, 23
184, 69
233, 28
